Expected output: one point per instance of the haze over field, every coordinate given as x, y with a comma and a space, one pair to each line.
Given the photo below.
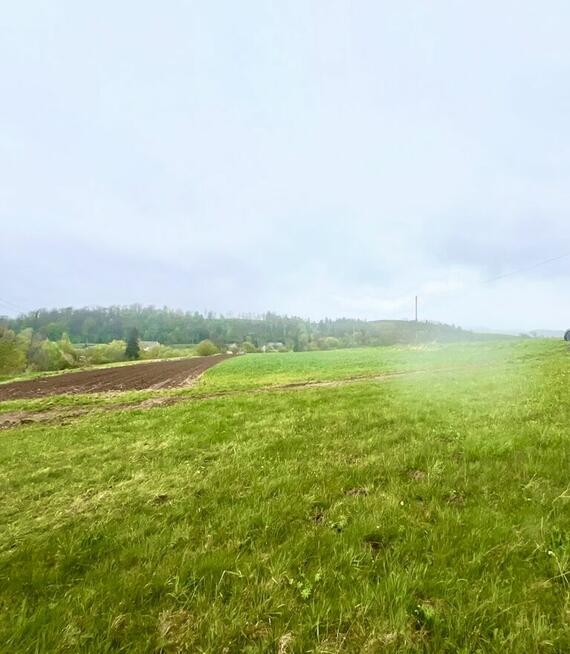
223, 426
404, 500
321, 158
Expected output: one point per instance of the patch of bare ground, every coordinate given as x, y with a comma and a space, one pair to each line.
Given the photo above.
13, 419
358, 492
285, 642
153, 375
455, 498
417, 475
60, 415
376, 542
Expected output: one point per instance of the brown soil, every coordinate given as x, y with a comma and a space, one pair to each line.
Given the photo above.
155, 374
62, 415
358, 492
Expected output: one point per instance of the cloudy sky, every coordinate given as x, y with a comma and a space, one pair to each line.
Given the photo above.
313, 157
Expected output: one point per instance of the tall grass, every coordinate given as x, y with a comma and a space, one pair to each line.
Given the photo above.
426, 513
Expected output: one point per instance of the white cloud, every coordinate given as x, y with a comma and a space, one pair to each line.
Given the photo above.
304, 158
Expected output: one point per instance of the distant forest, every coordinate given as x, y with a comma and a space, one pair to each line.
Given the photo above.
167, 326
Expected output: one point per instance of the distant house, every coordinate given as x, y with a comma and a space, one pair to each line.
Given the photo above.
273, 347
145, 346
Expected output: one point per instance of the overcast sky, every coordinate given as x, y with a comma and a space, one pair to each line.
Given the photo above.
312, 157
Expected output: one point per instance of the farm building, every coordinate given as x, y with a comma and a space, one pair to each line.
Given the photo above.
145, 346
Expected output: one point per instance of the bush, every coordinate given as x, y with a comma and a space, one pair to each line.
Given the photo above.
274, 347
46, 355
167, 352
25, 339
329, 343
12, 357
69, 353
248, 347
106, 353
206, 348
157, 352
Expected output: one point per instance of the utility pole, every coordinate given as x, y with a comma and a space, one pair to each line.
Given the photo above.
416, 308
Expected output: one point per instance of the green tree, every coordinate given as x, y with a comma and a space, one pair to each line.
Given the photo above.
12, 358
329, 343
70, 355
25, 339
133, 350
106, 352
206, 348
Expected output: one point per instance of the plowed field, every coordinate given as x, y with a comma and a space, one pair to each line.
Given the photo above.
155, 374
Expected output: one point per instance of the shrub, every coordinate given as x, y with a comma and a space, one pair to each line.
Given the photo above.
206, 348
106, 353
46, 355
25, 339
69, 353
157, 352
166, 352
248, 347
12, 358
275, 347
329, 343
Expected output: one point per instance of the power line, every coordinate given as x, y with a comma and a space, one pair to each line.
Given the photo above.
521, 270
473, 286
11, 306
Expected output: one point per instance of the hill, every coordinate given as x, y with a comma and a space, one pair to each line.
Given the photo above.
105, 324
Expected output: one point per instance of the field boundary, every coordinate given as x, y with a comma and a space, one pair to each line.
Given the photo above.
168, 373
10, 420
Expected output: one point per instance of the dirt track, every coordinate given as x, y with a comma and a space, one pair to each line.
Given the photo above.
155, 374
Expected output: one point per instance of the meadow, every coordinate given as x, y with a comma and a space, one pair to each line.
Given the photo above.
398, 499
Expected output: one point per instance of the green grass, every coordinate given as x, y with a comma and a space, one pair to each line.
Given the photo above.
259, 370
265, 370
425, 513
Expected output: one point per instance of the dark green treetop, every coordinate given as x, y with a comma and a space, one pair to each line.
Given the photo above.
133, 351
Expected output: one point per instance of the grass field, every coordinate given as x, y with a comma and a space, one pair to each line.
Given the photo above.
421, 512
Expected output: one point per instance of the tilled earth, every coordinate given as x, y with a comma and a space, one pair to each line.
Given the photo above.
154, 374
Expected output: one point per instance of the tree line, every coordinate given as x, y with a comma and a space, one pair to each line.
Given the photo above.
28, 351
55, 339
104, 324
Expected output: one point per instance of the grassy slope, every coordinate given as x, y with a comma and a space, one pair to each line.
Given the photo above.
273, 369
425, 513
266, 370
